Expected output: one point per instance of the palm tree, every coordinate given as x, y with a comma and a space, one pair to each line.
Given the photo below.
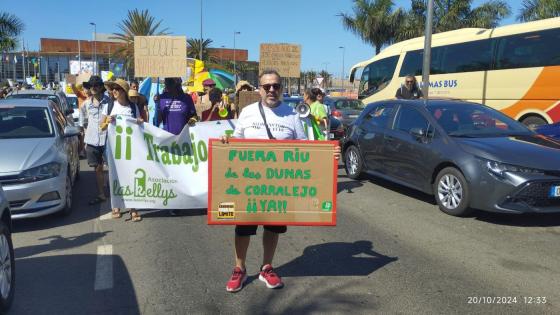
195, 45
539, 9
451, 15
10, 28
374, 21
137, 23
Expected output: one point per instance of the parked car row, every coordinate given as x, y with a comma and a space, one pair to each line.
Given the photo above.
42, 164
467, 155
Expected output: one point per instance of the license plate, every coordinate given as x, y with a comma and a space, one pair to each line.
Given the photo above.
555, 191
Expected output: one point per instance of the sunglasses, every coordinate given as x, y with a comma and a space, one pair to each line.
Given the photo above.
98, 85
267, 87
211, 85
409, 81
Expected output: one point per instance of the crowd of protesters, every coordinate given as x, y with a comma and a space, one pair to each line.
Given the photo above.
100, 102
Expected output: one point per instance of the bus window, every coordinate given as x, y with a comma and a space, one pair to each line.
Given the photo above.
465, 57
377, 75
537, 49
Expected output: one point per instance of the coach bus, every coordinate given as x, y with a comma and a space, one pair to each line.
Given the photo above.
513, 68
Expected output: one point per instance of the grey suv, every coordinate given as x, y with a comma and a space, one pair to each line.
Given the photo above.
7, 262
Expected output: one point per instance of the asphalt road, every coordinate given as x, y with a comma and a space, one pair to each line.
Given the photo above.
391, 252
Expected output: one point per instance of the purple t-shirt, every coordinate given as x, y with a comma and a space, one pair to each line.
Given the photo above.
176, 112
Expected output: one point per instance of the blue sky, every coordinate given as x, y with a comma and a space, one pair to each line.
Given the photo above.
311, 23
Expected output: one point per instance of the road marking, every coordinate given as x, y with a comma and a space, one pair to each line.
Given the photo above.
104, 268
106, 216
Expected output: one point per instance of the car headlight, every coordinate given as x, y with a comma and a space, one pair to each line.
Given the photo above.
498, 169
41, 172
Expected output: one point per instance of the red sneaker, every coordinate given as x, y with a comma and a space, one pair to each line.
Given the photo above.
237, 280
269, 277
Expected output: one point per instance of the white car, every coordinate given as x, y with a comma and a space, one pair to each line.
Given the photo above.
72, 100
39, 162
7, 261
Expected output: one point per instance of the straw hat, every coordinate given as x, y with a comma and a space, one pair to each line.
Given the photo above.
243, 83
120, 83
133, 93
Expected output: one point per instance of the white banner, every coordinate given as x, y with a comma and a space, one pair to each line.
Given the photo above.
150, 168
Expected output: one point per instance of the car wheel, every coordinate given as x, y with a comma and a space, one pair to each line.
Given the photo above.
452, 192
353, 162
68, 199
7, 269
534, 121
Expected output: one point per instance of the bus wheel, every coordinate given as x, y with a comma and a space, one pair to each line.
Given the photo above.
534, 121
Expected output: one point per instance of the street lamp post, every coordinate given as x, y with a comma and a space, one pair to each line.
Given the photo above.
221, 54
234, 59
427, 50
200, 52
94, 47
343, 53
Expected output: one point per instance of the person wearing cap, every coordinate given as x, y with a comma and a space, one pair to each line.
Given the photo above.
241, 86
95, 136
176, 108
124, 107
203, 103
218, 110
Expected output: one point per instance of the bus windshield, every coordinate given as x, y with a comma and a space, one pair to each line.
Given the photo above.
376, 76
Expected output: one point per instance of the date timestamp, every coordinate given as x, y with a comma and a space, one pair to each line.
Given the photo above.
507, 300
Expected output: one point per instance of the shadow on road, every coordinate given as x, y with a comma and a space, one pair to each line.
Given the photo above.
403, 190
65, 285
84, 190
348, 186
336, 259
174, 213
521, 220
58, 242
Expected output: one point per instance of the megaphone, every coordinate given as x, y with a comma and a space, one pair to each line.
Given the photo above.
303, 110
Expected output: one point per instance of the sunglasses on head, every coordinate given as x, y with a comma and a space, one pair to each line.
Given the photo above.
267, 87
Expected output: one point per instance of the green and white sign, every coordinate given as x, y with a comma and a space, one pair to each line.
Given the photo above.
150, 168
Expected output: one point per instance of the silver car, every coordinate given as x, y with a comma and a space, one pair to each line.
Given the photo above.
56, 96
7, 260
39, 162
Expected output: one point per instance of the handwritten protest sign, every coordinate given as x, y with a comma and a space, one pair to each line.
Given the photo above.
278, 182
160, 56
247, 98
70, 79
284, 58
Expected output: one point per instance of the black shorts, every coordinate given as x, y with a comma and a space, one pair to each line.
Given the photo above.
248, 230
94, 155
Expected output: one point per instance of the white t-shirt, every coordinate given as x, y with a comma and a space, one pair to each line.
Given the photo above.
282, 120
119, 109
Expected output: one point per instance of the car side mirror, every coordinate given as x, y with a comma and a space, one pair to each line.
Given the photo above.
69, 111
418, 133
71, 131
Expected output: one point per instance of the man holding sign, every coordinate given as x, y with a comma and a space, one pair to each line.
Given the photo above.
267, 119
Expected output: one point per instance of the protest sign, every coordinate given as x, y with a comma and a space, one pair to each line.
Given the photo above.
83, 77
272, 182
150, 168
70, 79
284, 58
247, 98
160, 56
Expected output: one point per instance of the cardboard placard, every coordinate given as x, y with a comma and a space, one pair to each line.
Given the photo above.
71, 79
284, 58
160, 56
83, 77
247, 98
272, 182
